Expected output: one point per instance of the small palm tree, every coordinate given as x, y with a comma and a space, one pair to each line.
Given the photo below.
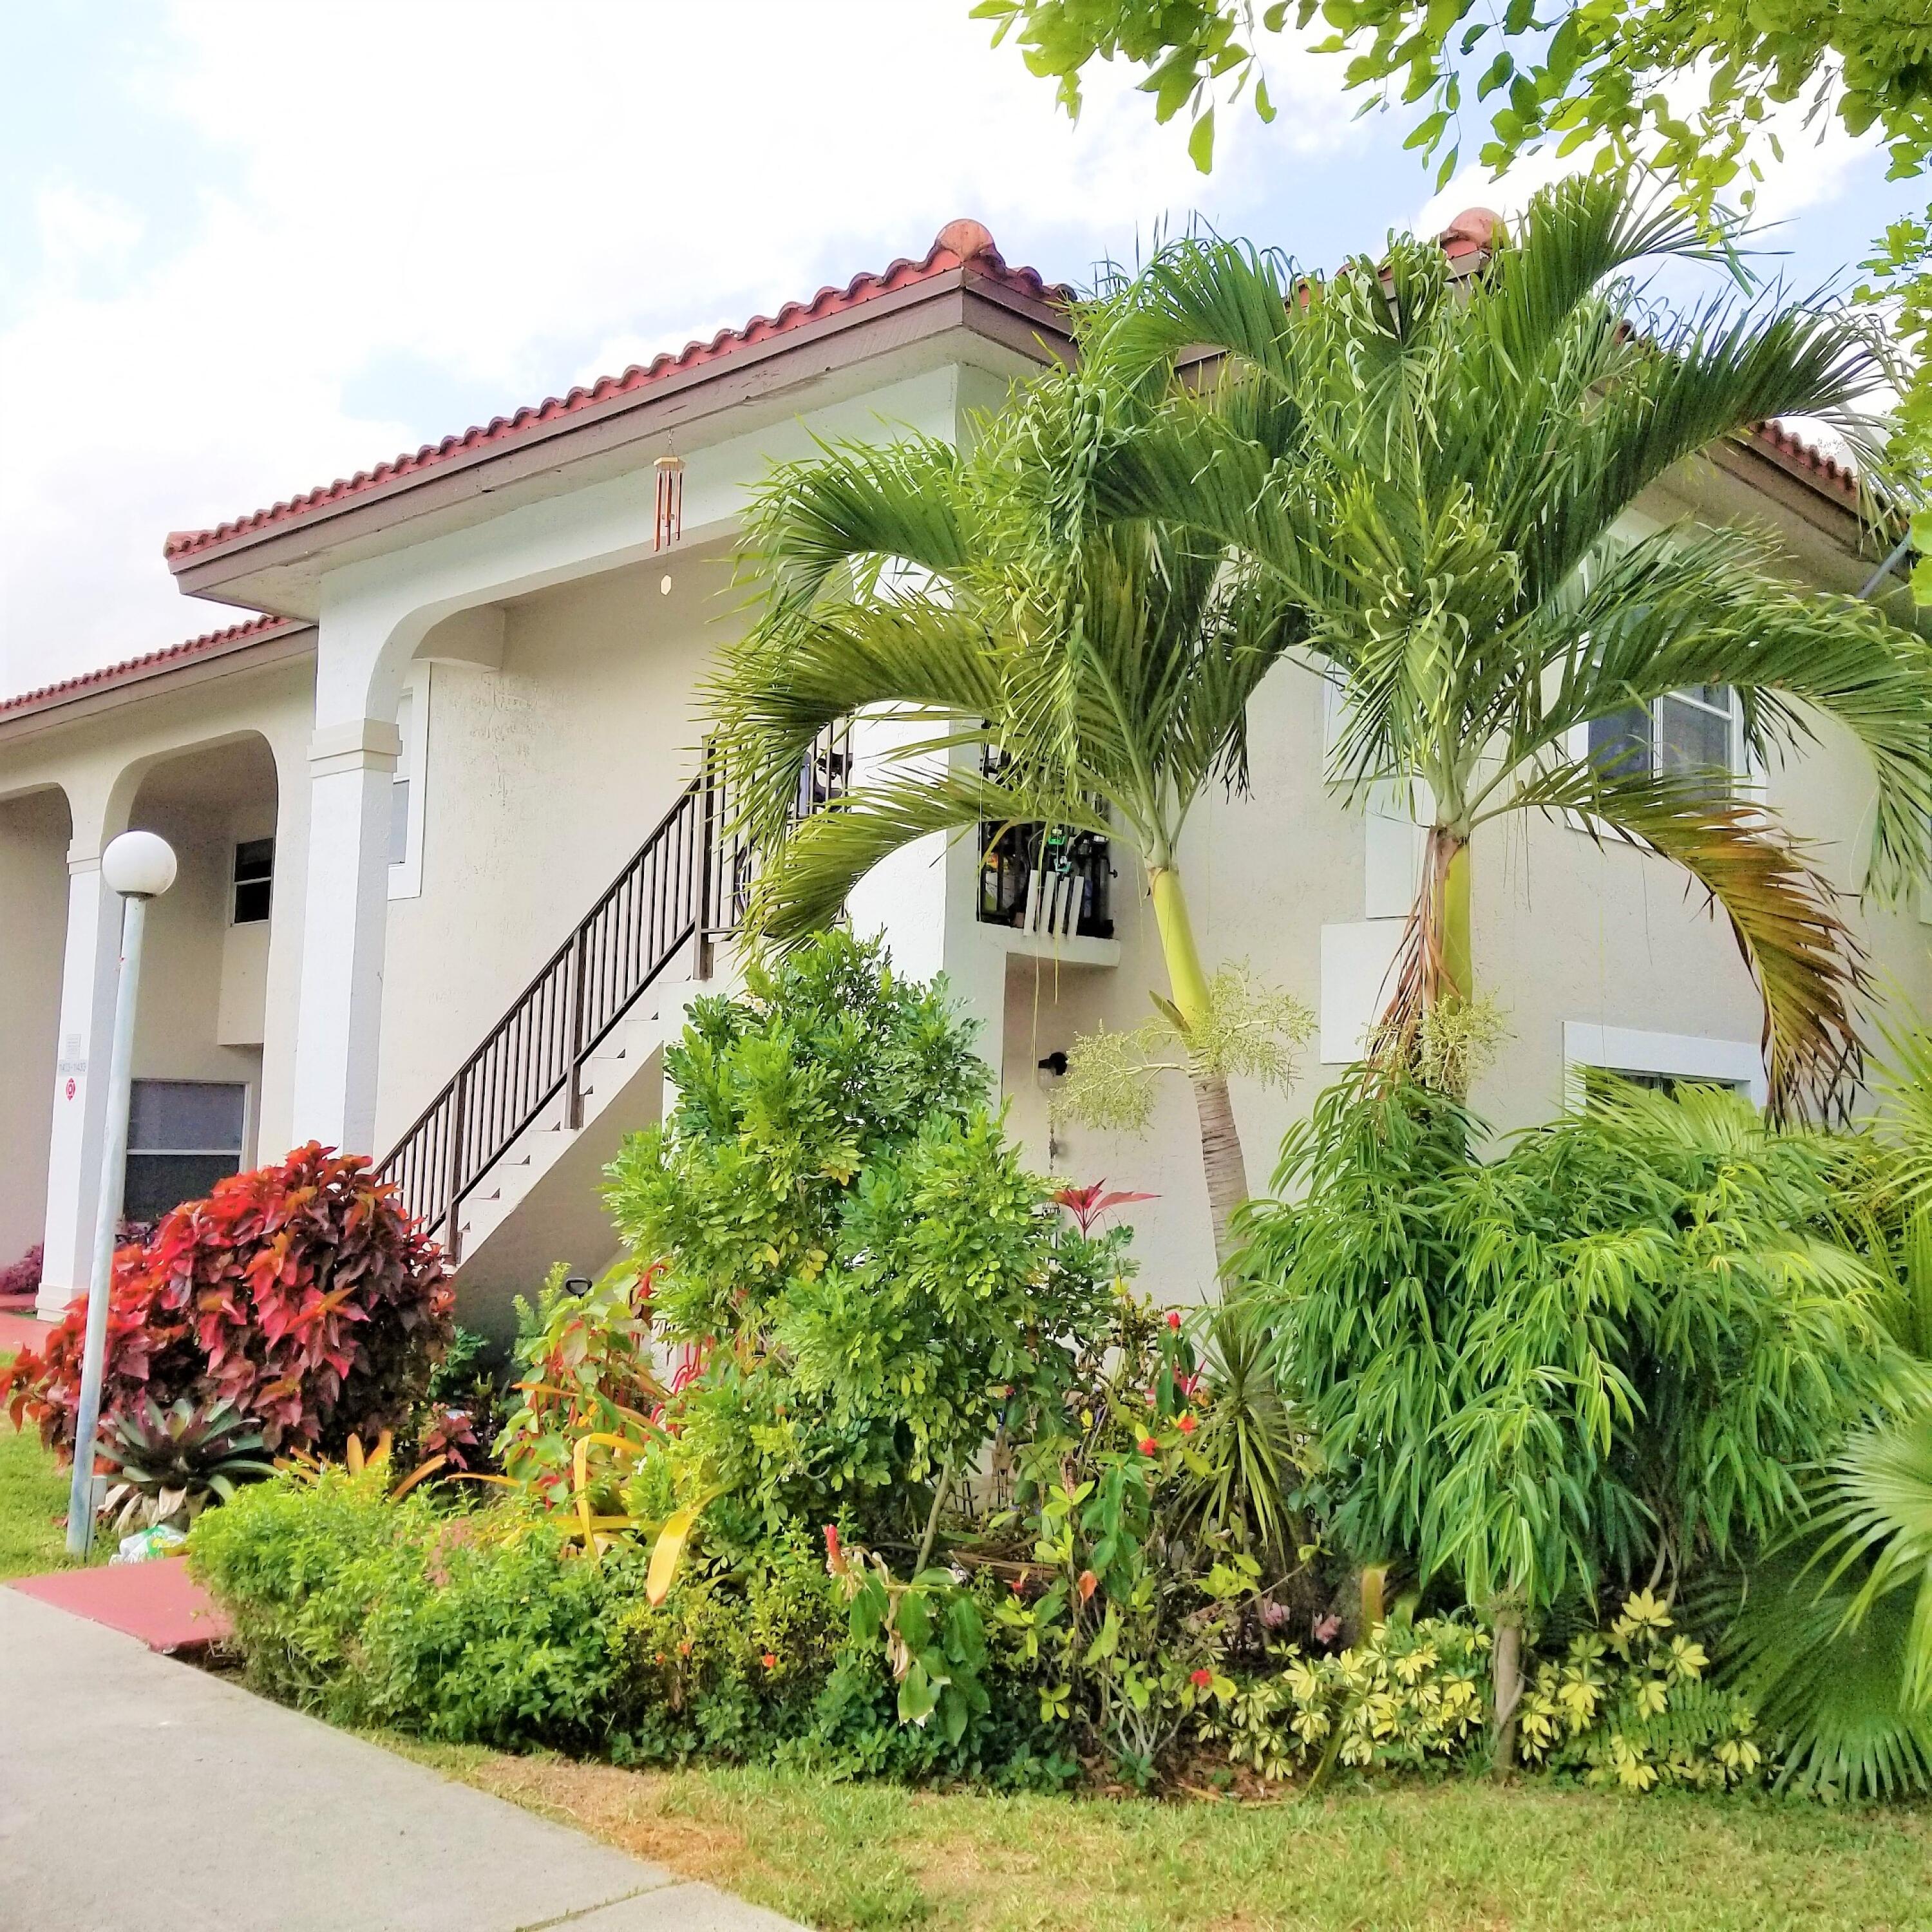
1049, 667
1431, 468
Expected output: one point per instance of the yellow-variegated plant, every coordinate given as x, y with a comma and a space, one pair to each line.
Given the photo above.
1430, 464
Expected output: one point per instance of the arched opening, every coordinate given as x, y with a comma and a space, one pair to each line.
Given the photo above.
34, 830
198, 1040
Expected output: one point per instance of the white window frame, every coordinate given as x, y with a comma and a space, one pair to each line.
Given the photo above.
406, 874
1588, 1047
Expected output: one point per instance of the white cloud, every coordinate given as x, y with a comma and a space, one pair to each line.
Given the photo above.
513, 197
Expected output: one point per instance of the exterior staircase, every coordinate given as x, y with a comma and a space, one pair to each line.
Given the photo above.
503, 1166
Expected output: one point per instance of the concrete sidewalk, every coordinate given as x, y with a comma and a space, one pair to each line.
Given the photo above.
141, 1794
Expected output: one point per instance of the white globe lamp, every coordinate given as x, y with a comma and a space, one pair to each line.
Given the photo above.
139, 864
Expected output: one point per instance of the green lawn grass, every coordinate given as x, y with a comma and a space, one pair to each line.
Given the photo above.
33, 1506
1459, 1856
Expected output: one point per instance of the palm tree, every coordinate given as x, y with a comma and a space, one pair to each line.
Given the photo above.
1049, 666
1431, 467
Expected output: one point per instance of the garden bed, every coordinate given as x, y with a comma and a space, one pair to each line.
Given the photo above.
1446, 1857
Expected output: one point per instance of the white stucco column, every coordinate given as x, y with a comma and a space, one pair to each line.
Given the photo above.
922, 901
345, 908
88, 974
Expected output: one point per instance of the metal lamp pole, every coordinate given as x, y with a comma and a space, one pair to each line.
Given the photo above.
139, 866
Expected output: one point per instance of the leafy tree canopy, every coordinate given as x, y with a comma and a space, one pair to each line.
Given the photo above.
1690, 86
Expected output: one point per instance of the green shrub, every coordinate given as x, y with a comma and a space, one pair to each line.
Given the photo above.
868, 1285
469, 1627
1625, 1338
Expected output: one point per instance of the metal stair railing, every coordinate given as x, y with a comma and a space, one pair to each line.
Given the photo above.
685, 887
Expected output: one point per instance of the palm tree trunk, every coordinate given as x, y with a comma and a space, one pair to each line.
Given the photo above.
1221, 1156
1447, 957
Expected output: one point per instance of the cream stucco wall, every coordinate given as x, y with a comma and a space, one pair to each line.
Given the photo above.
33, 934
559, 721
102, 760
544, 776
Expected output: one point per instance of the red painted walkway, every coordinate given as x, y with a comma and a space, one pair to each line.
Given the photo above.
22, 1331
158, 1602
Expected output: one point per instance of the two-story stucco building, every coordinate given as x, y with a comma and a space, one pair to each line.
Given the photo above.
449, 866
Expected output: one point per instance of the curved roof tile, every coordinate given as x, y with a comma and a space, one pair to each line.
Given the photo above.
958, 244
149, 662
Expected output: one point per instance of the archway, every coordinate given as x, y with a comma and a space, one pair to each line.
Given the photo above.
35, 828
198, 1044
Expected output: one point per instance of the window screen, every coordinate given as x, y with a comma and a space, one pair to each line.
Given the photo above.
254, 880
1603, 1083
1692, 729
183, 1136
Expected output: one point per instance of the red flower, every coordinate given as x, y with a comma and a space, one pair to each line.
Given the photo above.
1174, 1318
1148, 1445
770, 1662
1201, 1679
1086, 1204
1187, 1425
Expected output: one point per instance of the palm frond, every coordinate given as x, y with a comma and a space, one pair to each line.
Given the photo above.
807, 878
1784, 912
1875, 1523
924, 657
1681, 608
858, 504
1834, 1694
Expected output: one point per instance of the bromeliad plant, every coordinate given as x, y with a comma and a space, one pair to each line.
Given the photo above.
165, 1466
1428, 463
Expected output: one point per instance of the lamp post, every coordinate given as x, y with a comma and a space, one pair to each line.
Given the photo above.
140, 866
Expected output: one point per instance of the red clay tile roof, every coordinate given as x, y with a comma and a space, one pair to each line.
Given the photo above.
210, 643
1818, 466
958, 244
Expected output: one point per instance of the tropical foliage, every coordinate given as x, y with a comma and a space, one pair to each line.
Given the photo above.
1690, 91
1431, 468
1026, 660
301, 1294
865, 1285
166, 1467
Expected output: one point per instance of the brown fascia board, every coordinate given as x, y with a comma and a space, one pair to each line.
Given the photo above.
138, 682
957, 299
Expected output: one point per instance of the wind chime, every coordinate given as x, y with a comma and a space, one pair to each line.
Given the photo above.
670, 526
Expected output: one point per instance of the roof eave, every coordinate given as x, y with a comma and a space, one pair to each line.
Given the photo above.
138, 680
955, 298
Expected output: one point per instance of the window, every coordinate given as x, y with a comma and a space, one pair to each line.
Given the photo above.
1696, 729
183, 1136
254, 881
1663, 1060
1601, 1082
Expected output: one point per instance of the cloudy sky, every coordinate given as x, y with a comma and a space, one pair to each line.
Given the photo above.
249, 245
